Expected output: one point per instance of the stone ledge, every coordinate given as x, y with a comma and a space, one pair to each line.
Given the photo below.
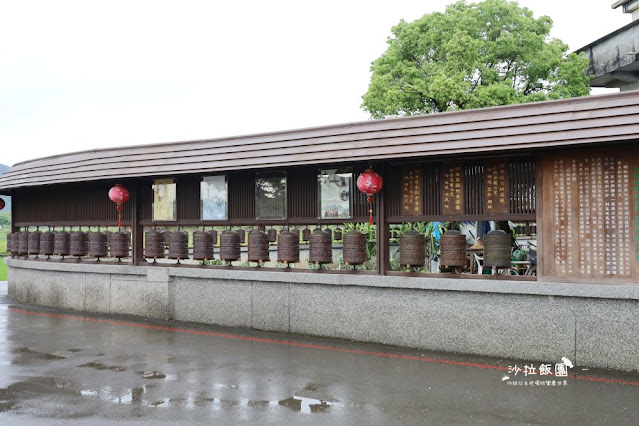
536, 288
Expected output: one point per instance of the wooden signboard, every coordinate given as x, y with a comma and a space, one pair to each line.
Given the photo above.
496, 187
412, 189
453, 189
590, 217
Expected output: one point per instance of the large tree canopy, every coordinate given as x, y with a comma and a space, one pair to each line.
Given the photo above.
472, 56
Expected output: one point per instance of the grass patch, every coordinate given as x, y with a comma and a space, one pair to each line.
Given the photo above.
3, 270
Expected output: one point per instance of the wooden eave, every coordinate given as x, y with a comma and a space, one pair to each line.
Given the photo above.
541, 125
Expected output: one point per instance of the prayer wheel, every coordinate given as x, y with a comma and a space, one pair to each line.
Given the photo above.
337, 234
320, 250
330, 233
153, 244
213, 236
354, 252
258, 246
411, 249
33, 244
498, 249
296, 232
272, 235
242, 235
9, 243
46, 243
229, 246
23, 242
288, 247
98, 244
119, 244
178, 245
15, 243
79, 244
306, 234
202, 245
61, 243
453, 249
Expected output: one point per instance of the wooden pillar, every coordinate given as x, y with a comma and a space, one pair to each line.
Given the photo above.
137, 230
383, 263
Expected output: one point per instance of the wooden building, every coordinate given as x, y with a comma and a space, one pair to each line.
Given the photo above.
569, 168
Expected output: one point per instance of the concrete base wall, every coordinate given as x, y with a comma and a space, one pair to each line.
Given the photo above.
594, 325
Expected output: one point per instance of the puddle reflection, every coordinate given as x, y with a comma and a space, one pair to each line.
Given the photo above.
135, 396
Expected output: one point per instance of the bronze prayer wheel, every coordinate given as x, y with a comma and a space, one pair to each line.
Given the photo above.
202, 245
46, 243
306, 234
329, 231
498, 249
288, 247
229, 246
354, 252
320, 250
213, 236
337, 234
453, 249
258, 246
98, 244
242, 235
61, 243
33, 244
9, 248
296, 232
15, 243
23, 242
272, 235
411, 249
79, 244
119, 244
178, 245
153, 244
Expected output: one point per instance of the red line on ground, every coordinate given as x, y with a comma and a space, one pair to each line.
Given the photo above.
302, 345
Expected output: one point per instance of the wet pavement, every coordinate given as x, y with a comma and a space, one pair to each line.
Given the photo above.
60, 367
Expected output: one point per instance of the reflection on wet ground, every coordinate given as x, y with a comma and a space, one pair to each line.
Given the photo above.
55, 369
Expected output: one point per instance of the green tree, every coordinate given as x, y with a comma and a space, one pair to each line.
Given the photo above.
473, 55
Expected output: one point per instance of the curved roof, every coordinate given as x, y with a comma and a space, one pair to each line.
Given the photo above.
585, 120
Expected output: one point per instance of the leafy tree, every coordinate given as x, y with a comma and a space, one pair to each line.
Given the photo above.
473, 55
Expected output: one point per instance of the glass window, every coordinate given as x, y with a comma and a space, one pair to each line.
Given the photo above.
270, 196
214, 198
335, 193
164, 204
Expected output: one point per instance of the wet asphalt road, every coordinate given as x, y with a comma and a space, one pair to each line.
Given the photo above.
60, 367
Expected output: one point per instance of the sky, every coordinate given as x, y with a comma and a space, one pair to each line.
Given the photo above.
78, 75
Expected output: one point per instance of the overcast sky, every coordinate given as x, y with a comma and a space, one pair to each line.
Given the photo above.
78, 75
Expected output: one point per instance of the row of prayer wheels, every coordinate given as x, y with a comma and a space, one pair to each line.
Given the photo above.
75, 243
497, 249
288, 246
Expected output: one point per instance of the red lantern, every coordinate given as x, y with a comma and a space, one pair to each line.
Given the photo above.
119, 195
2, 204
370, 183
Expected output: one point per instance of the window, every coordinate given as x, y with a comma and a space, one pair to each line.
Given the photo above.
164, 204
214, 198
335, 193
270, 196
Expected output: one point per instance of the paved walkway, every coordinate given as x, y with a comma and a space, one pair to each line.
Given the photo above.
60, 367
